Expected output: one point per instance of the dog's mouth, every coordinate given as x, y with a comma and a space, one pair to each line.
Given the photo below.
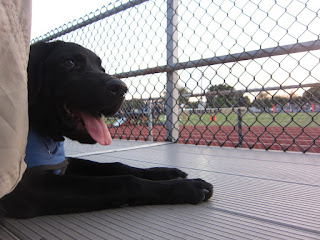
82, 121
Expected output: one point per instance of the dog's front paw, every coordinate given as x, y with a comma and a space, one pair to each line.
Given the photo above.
162, 173
192, 191
202, 191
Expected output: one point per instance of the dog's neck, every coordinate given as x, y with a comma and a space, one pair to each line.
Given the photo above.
44, 152
43, 121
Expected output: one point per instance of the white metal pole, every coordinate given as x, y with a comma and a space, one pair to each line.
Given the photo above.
172, 94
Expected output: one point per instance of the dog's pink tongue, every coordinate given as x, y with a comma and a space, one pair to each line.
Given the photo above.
97, 128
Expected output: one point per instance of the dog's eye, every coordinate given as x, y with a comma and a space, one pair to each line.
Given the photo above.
69, 63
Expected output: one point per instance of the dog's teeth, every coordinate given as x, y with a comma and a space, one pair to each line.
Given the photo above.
65, 108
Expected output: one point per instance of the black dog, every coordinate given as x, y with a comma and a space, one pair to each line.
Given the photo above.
69, 91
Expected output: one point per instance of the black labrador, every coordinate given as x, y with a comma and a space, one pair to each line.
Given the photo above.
69, 91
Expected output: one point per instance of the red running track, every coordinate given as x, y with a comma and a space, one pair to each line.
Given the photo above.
271, 138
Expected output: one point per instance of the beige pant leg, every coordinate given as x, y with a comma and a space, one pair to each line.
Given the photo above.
15, 27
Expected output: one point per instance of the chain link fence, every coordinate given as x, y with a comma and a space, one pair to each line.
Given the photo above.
224, 72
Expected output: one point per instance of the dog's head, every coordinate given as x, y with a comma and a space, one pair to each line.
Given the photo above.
69, 92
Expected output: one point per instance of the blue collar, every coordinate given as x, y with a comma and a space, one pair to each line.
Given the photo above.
44, 151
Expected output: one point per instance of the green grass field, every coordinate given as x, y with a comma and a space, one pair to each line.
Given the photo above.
256, 119
248, 119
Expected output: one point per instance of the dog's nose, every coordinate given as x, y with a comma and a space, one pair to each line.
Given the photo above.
117, 87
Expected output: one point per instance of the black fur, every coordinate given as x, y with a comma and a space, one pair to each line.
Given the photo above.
65, 74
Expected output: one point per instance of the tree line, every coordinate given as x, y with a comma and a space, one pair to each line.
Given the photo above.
225, 96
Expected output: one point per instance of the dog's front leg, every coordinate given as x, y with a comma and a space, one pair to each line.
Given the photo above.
83, 167
49, 194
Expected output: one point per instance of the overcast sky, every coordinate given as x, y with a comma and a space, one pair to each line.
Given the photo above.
50, 14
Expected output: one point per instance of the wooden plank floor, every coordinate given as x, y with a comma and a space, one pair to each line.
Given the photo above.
258, 195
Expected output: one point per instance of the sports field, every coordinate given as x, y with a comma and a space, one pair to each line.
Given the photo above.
254, 119
283, 131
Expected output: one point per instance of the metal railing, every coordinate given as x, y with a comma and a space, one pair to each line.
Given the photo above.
224, 73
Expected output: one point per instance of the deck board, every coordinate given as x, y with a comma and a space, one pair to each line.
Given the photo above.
257, 195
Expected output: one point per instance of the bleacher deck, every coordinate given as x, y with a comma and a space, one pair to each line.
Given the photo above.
257, 195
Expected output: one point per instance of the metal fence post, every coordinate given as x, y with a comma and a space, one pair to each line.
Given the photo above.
240, 127
240, 121
172, 94
150, 110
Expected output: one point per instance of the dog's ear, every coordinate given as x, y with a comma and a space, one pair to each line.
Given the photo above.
37, 57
